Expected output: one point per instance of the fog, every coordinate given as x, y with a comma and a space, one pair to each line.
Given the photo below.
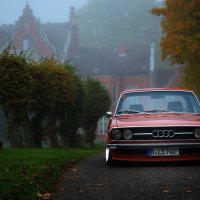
45, 10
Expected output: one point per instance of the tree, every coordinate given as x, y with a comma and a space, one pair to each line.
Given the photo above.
71, 121
97, 102
106, 24
40, 99
15, 92
54, 94
190, 76
181, 42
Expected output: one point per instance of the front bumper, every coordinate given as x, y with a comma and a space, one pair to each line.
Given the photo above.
151, 145
138, 152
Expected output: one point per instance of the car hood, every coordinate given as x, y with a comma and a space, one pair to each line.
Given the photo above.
165, 119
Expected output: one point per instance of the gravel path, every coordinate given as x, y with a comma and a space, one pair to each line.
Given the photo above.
93, 180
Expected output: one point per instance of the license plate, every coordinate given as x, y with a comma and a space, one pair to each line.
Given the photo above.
164, 151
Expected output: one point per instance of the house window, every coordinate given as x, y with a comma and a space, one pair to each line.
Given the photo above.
102, 125
28, 42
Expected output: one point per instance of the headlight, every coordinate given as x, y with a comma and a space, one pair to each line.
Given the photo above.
197, 133
116, 134
127, 134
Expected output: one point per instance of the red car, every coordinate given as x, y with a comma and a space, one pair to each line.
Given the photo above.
154, 125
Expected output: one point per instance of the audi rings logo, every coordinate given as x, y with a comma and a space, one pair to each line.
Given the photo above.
163, 133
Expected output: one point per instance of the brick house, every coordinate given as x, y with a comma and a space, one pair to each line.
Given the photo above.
117, 69
43, 40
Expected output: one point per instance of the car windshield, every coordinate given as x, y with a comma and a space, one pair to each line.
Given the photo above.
158, 102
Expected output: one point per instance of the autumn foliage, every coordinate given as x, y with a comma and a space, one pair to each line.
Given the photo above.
181, 40
42, 100
15, 92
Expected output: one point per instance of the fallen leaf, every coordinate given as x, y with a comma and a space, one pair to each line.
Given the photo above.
188, 190
46, 196
99, 184
39, 195
166, 191
7, 170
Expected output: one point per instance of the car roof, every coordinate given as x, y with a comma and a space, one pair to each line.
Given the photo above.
156, 89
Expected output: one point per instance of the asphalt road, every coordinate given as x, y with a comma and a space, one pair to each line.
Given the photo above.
92, 179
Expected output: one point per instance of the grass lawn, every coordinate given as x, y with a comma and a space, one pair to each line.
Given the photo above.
28, 173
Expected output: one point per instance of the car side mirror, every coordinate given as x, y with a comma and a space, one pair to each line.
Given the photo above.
109, 114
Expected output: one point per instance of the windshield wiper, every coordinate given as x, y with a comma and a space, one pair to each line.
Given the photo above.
157, 110
128, 111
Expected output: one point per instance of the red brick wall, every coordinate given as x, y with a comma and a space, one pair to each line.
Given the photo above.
44, 50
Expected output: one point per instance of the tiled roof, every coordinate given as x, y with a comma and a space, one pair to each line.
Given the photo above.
108, 61
57, 35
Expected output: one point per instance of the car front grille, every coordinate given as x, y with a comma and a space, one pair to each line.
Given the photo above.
161, 133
